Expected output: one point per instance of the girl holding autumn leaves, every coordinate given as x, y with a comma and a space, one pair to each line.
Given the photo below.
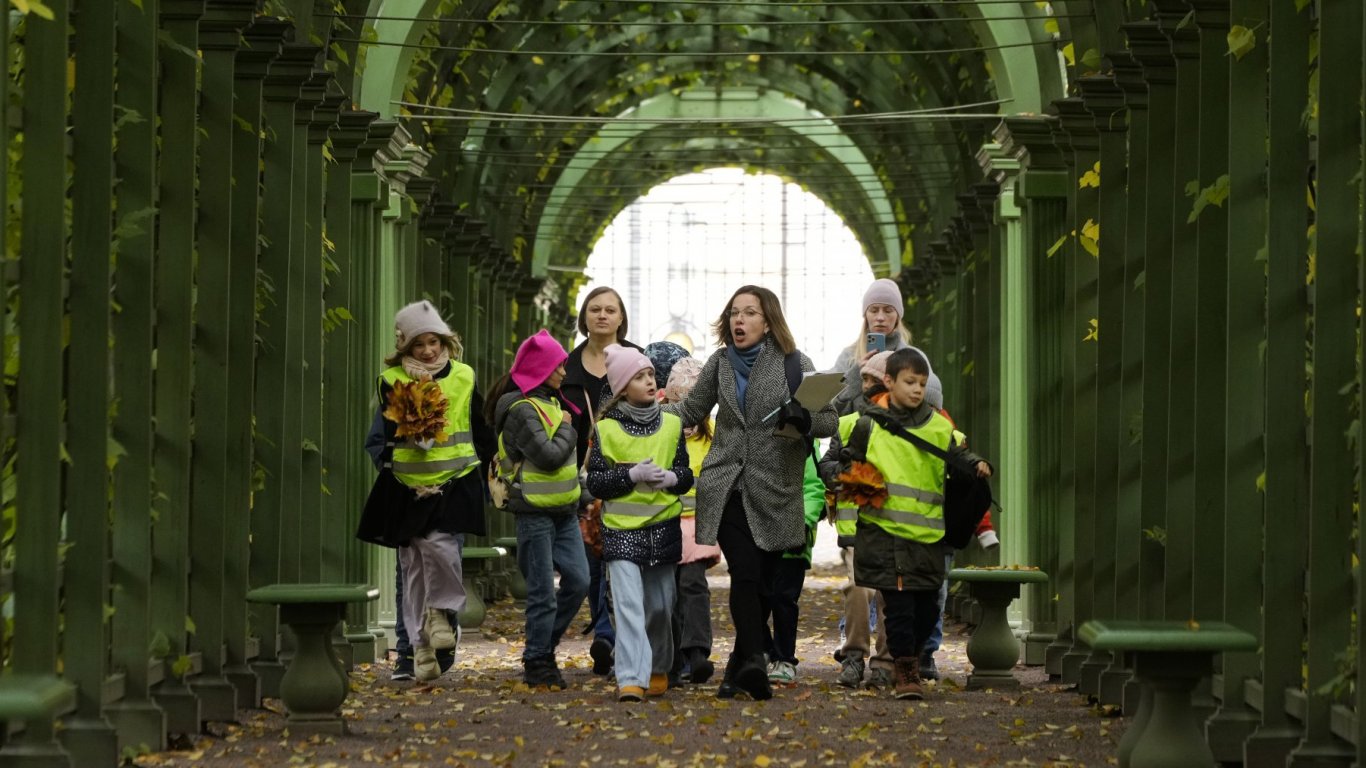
428, 439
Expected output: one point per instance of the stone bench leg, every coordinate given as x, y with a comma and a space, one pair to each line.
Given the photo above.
315, 684
1165, 732
993, 649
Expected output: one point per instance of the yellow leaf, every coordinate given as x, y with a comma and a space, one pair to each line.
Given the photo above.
1070, 53
763, 761
1091, 178
753, 58
538, 61
1093, 334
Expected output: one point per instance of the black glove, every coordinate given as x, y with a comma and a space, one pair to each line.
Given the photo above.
795, 416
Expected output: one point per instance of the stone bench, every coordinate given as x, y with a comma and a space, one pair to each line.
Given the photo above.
1169, 660
993, 649
315, 684
35, 700
473, 616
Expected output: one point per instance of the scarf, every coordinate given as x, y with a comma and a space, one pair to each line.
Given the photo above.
911, 417
742, 360
420, 370
644, 415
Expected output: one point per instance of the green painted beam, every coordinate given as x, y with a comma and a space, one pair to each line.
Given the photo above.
174, 354
87, 735
138, 719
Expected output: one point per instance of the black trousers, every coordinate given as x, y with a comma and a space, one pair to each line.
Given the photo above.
752, 572
782, 606
911, 617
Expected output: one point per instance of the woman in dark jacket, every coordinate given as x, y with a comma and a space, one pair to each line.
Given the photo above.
602, 318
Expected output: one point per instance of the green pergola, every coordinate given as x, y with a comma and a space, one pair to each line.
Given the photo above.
1106, 214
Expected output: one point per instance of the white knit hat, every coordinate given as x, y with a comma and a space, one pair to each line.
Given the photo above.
416, 319
884, 291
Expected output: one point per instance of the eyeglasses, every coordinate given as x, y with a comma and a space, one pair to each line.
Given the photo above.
748, 313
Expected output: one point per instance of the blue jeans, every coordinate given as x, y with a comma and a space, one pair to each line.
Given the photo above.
544, 545
936, 638
600, 607
403, 646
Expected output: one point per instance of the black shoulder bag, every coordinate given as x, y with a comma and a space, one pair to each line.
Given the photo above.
967, 497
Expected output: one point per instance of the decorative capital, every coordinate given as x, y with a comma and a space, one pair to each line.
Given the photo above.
1152, 50
290, 71
220, 28
1077, 127
261, 43
1104, 99
352, 131
1030, 138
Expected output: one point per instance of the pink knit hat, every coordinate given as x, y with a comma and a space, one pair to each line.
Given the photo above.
877, 365
623, 363
682, 378
536, 359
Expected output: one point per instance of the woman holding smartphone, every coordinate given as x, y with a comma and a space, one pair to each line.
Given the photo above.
882, 331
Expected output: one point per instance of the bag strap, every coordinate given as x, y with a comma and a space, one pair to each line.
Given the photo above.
889, 424
858, 439
792, 366
592, 432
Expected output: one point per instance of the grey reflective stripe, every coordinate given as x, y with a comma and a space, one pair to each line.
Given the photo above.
428, 467
906, 518
550, 486
452, 439
689, 502
907, 492
846, 513
631, 509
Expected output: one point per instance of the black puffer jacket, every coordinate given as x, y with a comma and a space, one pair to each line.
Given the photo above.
884, 561
524, 438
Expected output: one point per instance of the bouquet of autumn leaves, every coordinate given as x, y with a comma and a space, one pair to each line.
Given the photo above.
862, 484
419, 410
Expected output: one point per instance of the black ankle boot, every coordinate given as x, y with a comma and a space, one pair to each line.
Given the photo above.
727, 690
701, 667
752, 678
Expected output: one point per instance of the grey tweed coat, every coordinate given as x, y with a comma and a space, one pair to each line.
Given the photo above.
767, 469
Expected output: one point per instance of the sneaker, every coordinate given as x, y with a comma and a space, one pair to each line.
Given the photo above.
908, 679
403, 669
928, 671
630, 693
601, 653
782, 673
424, 664
879, 679
700, 667
438, 629
851, 672
540, 673
659, 685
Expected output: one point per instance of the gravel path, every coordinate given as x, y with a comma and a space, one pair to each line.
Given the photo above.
479, 714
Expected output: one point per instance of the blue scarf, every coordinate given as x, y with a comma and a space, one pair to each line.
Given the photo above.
742, 361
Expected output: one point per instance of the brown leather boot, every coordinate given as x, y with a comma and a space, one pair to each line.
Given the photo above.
908, 678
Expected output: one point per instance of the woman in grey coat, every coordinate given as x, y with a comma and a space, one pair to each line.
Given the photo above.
749, 493
882, 309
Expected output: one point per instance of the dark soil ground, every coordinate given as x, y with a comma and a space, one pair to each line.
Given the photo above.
480, 714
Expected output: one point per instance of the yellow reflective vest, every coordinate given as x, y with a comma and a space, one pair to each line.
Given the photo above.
914, 508
846, 511
698, 446
451, 458
542, 488
643, 505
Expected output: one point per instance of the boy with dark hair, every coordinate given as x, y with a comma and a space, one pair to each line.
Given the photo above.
899, 547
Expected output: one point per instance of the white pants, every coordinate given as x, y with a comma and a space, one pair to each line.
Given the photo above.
433, 578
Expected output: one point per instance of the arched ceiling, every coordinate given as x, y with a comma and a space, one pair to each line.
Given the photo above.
547, 184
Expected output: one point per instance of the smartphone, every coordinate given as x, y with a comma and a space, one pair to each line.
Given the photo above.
877, 342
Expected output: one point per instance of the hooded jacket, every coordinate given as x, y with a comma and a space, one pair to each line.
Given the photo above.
524, 438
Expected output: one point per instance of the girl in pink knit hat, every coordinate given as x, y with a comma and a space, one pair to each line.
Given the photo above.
536, 456
638, 466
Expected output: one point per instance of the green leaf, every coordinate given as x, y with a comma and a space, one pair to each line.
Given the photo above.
181, 666
1241, 41
1090, 59
1215, 195
160, 647
189, 625
35, 7
1261, 482
1300, 5
1140, 279
1057, 246
1186, 20
967, 369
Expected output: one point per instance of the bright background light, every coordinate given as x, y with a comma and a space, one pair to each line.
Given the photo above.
677, 253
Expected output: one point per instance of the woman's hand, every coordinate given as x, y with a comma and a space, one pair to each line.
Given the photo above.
983, 469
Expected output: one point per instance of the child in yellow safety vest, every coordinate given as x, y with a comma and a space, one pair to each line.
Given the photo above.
537, 456
638, 466
427, 495
898, 541
692, 602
